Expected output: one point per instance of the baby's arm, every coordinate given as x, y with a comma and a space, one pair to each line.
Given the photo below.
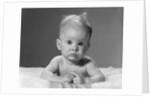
50, 76
95, 74
51, 72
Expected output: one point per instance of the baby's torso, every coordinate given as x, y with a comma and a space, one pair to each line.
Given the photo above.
81, 71
65, 69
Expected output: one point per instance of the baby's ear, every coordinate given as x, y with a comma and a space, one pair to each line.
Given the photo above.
58, 44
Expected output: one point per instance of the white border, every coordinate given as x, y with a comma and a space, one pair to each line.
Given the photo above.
147, 8
132, 47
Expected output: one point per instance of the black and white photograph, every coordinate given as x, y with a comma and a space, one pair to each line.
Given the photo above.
71, 47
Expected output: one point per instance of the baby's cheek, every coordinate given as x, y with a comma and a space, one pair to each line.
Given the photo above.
84, 51
81, 49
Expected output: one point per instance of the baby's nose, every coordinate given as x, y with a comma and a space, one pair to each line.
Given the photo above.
75, 49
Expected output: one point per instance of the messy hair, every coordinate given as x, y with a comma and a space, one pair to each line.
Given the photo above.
75, 21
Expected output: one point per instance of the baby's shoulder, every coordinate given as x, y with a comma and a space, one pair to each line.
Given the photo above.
90, 63
58, 58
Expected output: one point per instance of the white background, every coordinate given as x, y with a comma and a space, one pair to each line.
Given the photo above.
74, 96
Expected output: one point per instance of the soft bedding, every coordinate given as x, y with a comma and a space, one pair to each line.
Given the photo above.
29, 77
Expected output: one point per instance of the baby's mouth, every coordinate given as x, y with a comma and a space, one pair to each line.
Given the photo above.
74, 55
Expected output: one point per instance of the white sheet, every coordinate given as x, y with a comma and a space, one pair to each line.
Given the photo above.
30, 78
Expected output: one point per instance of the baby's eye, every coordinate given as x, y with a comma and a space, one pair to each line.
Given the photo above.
81, 44
69, 42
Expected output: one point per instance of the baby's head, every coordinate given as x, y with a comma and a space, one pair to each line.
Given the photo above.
74, 37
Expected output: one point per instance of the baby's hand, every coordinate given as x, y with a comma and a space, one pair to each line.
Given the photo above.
68, 78
76, 78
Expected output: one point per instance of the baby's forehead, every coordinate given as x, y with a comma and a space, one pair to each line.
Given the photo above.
73, 26
75, 32
77, 29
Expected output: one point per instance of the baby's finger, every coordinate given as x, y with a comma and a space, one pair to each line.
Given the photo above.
70, 76
76, 80
74, 74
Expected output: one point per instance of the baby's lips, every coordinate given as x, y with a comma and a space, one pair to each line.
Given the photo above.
74, 54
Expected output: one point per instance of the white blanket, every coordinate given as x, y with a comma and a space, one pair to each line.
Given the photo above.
30, 78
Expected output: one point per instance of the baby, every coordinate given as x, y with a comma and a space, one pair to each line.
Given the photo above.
73, 66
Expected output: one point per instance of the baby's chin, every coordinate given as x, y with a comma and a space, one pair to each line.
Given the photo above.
73, 59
